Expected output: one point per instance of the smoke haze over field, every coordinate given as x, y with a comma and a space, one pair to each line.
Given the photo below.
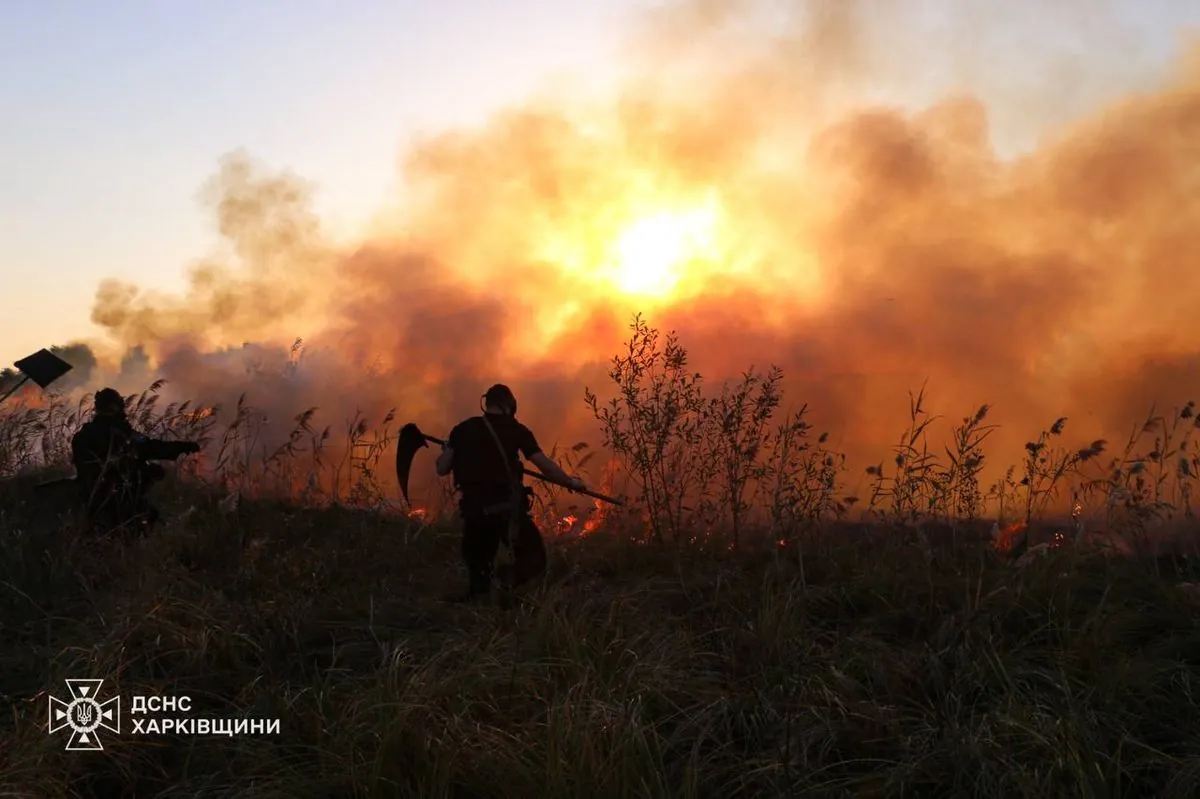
761, 195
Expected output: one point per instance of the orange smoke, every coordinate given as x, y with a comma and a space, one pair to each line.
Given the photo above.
748, 190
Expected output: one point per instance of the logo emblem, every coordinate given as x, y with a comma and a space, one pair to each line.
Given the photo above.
84, 714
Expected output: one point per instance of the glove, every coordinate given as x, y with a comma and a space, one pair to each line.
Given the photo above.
191, 447
576, 484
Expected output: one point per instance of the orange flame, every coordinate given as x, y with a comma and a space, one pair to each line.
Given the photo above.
30, 396
1007, 538
196, 415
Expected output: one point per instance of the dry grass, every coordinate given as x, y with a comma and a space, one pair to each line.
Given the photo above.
894, 654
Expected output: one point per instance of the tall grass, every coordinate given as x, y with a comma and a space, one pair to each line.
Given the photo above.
742, 628
717, 464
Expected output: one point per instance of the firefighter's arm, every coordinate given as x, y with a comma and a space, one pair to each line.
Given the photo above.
554, 471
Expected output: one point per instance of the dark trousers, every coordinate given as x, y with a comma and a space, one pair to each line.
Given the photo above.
482, 537
119, 499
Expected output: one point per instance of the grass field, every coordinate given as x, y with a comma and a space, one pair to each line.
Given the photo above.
886, 670
898, 656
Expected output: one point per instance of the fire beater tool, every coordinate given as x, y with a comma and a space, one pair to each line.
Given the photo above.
43, 368
412, 439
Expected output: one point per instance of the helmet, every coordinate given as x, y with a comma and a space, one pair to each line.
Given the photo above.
501, 396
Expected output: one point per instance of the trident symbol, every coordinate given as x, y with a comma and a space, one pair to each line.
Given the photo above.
84, 715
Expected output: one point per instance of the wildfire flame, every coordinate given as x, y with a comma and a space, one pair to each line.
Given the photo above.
199, 414
574, 524
1007, 538
30, 396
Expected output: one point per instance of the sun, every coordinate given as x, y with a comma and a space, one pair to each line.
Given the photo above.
652, 254
646, 251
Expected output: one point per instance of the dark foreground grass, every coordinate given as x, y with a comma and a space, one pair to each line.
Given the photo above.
881, 670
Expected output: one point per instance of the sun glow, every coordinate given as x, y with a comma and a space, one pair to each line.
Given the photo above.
652, 255
638, 253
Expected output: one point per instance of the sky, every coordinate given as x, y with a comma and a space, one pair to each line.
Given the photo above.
996, 198
117, 113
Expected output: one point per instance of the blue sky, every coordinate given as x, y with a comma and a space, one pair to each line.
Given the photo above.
116, 113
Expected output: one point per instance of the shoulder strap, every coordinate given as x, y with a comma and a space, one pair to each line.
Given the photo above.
517, 500
503, 455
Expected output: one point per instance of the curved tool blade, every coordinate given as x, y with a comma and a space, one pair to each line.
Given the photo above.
408, 442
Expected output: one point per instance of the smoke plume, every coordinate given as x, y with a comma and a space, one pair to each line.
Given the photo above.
758, 187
